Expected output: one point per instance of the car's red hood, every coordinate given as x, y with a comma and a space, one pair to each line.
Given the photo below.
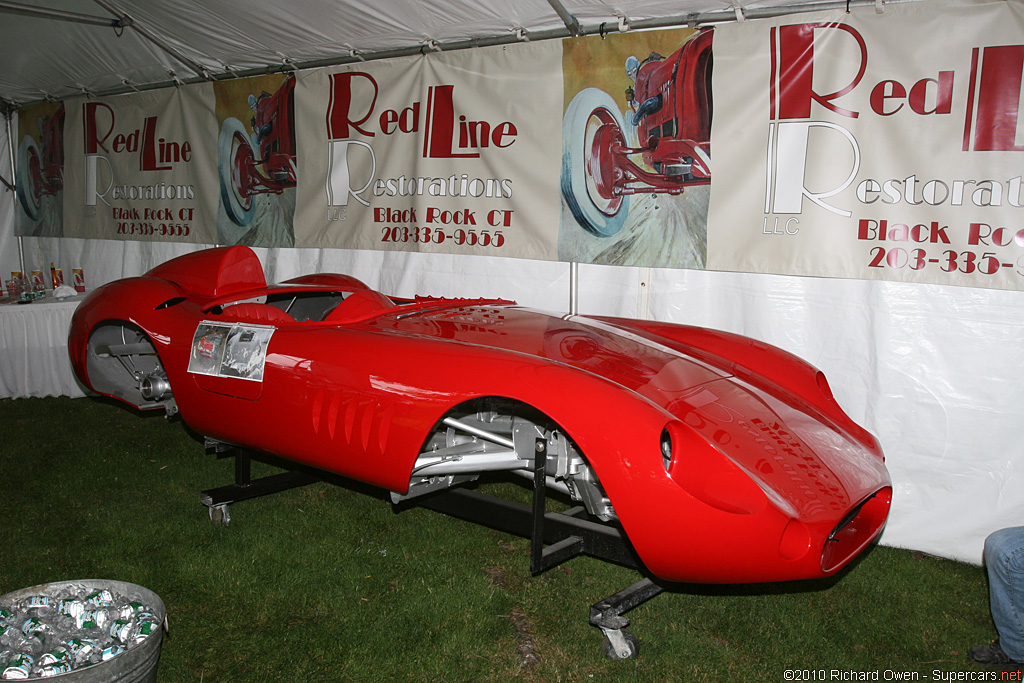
657, 372
780, 440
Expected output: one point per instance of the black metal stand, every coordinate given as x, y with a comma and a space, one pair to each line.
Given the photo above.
244, 488
607, 616
565, 535
554, 536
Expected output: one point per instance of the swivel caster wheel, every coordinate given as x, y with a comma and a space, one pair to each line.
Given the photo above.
620, 644
219, 515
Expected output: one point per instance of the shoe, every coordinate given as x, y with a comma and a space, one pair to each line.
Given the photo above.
992, 655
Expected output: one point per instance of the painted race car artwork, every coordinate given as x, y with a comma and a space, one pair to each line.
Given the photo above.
724, 460
666, 127
40, 169
260, 158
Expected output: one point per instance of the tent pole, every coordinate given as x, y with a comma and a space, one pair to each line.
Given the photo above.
44, 13
574, 288
569, 20
125, 20
14, 181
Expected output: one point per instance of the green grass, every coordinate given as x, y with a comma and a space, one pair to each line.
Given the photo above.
329, 583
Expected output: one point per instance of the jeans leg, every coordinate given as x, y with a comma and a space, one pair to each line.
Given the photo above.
1004, 558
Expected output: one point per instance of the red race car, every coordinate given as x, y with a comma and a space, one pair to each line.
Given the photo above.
723, 459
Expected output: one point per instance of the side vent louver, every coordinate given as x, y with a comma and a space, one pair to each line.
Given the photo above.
354, 420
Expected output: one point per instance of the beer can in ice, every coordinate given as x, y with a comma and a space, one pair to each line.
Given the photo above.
100, 598
121, 631
146, 629
20, 667
55, 669
145, 616
80, 648
34, 628
111, 651
37, 602
71, 607
132, 609
54, 656
88, 618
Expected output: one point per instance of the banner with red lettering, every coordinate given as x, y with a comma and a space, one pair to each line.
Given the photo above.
872, 145
141, 166
447, 152
863, 144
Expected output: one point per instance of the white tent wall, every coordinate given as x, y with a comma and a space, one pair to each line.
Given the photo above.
936, 373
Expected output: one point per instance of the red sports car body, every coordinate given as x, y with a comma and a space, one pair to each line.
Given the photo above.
723, 459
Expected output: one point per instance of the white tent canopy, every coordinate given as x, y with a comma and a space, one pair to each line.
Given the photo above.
62, 48
937, 373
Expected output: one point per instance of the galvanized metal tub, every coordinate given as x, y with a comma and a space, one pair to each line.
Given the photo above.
138, 663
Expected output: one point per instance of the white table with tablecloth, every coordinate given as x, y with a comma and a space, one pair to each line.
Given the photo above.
34, 349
